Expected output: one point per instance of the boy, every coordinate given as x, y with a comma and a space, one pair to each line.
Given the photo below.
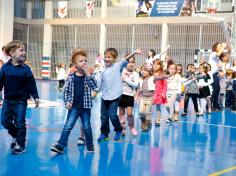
78, 101
19, 83
110, 85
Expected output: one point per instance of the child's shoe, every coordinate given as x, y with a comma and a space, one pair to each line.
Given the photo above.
133, 131
103, 138
157, 122
118, 135
13, 144
169, 120
57, 148
90, 149
176, 116
81, 141
17, 150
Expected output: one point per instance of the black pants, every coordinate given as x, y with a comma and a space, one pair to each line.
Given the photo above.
194, 99
61, 83
216, 91
234, 101
229, 97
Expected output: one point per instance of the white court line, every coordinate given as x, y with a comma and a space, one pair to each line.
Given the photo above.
208, 124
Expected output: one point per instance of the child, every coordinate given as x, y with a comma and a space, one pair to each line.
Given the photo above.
160, 89
222, 79
78, 101
110, 85
146, 90
61, 75
130, 80
234, 92
234, 66
204, 81
229, 88
173, 89
191, 90
19, 83
179, 72
151, 53
1, 93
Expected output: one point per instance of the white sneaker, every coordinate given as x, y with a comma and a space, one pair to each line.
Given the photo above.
81, 141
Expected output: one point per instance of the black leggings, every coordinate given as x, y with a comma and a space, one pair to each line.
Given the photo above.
61, 84
194, 99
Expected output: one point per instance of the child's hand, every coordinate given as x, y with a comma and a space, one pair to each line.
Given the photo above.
36, 103
139, 51
94, 94
68, 105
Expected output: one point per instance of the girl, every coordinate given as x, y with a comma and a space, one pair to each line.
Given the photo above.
173, 88
61, 75
130, 80
160, 89
191, 89
204, 81
146, 91
234, 66
151, 54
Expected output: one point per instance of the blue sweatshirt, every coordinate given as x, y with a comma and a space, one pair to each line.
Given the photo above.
18, 82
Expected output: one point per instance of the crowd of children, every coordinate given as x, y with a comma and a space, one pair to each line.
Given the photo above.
158, 83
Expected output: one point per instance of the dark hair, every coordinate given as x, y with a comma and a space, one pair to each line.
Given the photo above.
153, 53
223, 55
130, 57
3, 48
189, 66
112, 51
215, 46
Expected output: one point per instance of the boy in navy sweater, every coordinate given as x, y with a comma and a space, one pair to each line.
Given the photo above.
19, 84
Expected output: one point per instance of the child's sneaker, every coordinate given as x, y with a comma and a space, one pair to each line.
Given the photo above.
90, 150
17, 150
57, 148
81, 141
169, 120
13, 144
117, 136
157, 122
103, 138
133, 131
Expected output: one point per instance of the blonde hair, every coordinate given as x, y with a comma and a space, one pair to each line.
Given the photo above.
78, 52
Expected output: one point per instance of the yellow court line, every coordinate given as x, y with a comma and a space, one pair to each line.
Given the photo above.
223, 171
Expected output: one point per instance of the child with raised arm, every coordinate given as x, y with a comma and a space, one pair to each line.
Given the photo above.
19, 84
130, 80
110, 85
78, 101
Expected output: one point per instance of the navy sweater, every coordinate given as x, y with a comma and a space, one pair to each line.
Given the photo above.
18, 82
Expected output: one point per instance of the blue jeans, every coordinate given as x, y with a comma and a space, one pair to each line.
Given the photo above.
13, 119
109, 109
72, 117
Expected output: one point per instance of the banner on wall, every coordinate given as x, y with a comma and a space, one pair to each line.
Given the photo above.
89, 9
160, 8
62, 9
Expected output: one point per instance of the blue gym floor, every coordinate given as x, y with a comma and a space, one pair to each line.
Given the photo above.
193, 146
